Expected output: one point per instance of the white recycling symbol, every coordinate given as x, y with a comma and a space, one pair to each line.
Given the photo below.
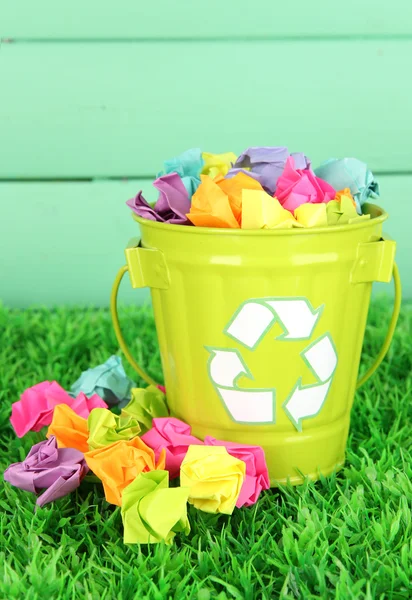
250, 323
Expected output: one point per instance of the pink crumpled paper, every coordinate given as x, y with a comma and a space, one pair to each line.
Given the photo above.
257, 477
299, 186
175, 437
35, 408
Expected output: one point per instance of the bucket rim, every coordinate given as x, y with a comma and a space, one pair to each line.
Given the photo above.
381, 216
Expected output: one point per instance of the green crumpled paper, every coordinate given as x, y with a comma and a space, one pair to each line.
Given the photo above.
151, 511
343, 211
106, 428
146, 404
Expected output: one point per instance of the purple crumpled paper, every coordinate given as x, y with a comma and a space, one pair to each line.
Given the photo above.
172, 204
59, 470
266, 164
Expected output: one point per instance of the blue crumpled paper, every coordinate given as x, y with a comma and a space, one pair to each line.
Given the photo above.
108, 380
350, 173
188, 165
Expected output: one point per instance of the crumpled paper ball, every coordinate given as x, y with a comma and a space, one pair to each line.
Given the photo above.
172, 204
266, 164
120, 463
145, 405
217, 164
257, 477
262, 211
174, 437
342, 211
188, 166
57, 470
214, 477
151, 511
106, 428
299, 186
70, 430
35, 408
108, 380
353, 174
218, 203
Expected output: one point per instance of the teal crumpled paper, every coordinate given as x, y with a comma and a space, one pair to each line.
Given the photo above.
188, 165
108, 380
350, 173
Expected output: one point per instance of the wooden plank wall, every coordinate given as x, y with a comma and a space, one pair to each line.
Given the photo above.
93, 97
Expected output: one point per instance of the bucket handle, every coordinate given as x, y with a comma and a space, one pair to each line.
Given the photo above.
117, 329
392, 325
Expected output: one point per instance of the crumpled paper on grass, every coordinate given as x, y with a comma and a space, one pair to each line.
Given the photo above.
106, 428
172, 204
108, 380
298, 186
120, 463
145, 405
214, 477
353, 174
188, 166
266, 164
257, 476
217, 164
70, 430
218, 203
340, 212
173, 436
261, 211
151, 511
57, 470
35, 408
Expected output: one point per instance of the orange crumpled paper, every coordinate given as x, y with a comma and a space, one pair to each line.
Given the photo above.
70, 430
120, 463
218, 202
345, 192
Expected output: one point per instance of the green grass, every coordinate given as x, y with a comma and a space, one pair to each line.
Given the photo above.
349, 536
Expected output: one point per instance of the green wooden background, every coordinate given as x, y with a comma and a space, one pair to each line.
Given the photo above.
93, 97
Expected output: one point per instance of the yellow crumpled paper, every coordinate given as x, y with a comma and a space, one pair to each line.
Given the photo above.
311, 215
106, 428
262, 211
151, 511
69, 429
217, 164
214, 477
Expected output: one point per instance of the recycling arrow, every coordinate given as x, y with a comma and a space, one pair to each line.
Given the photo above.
254, 318
226, 366
249, 325
306, 401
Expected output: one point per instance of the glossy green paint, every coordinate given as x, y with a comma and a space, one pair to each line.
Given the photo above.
205, 275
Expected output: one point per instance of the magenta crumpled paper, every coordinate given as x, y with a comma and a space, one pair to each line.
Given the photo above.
175, 437
266, 164
58, 470
172, 204
35, 408
300, 186
257, 477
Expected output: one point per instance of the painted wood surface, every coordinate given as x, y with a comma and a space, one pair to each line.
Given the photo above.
191, 19
84, 110
62, 243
